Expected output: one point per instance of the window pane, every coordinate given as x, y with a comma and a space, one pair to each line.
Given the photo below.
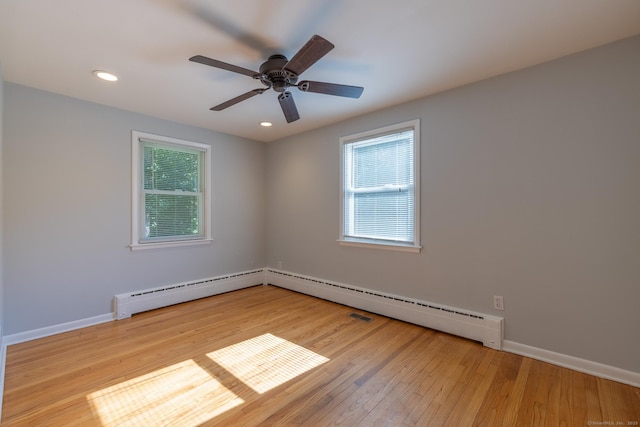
383, 164
168, 215
387, 216
170, 169
172, 198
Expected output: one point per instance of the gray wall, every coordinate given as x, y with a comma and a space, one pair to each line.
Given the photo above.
67, 209
530, 190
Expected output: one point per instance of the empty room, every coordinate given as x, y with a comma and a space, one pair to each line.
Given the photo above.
313, 213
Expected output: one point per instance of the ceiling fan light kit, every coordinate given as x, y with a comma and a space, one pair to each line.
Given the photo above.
280, 74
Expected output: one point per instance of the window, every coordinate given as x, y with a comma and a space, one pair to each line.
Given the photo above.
380, 196
171, 180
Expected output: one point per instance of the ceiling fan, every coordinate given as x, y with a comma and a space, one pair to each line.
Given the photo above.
279, 73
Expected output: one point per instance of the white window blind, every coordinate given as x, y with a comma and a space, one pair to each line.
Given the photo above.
379, 187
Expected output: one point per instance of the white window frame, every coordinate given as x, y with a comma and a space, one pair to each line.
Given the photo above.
374, 243
137, 194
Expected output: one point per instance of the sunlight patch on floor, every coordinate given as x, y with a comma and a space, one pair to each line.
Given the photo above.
182, 394
266, 361
185, 394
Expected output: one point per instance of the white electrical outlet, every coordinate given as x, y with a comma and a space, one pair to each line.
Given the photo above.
279, 265
498, 302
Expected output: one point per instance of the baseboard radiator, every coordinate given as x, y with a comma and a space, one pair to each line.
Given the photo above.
468, 324
476, 326
136, 302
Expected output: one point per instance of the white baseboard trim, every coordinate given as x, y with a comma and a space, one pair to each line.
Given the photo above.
55, 329
575, 363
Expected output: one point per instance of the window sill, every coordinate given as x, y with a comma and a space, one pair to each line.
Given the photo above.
380, 245
160, 245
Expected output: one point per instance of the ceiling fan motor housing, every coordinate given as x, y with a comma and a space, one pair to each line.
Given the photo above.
273, 75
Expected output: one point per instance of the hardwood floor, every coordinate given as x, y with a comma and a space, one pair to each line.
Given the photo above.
268, 356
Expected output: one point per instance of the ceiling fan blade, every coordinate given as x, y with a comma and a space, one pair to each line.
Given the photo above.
309, 54
288, 107
215, 19
331, 89
237, 99
223, 65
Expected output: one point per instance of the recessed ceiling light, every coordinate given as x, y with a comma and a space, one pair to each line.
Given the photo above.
266, 124
105, 75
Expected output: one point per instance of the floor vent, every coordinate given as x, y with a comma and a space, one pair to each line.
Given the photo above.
361, 317
465, 323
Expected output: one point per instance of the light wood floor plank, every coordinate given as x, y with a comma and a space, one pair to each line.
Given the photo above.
269, 356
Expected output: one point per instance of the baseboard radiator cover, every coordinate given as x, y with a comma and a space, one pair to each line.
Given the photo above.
476, 326
131, 303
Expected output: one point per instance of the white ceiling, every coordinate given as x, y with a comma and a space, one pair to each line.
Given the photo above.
398, 50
